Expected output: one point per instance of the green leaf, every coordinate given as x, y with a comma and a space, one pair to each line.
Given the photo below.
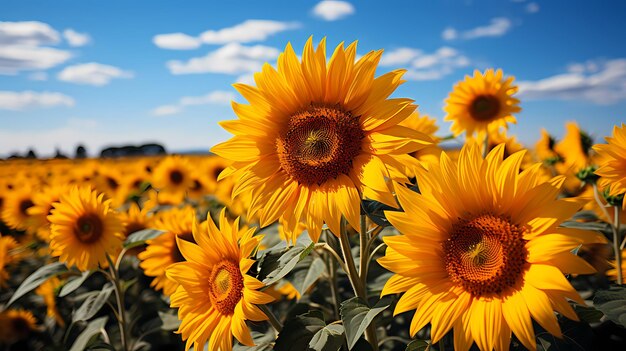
93, 328
357, 316
306, 273
329, 338
139, 238
376, 211
170, 321
74, 284
577, 336
37, 278
277, 264
418, 345
101, 346
596, 226
612, 303
297, 333
588, 313
93, 303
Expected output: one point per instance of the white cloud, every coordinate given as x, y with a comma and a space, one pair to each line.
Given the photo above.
332, 10
399, 56
21, 47
213, 98
30, 33
498, 27
167, 110
532, 7
245, 32
16, 101
599, 82
176, 41
424, 66
38, 76
92, 73
449, 34
75, 38
247, 78
229, 59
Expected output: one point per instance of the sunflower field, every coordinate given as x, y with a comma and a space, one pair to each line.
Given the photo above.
334, 218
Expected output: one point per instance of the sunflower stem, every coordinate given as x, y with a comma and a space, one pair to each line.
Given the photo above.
332, 274
602, 206
276, 324
119, 297
346, 250
616, 244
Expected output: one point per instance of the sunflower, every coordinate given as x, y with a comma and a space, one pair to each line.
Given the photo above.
163, 251
612, 273
84, 229
16, 205
574, 149
544, 148
173, 176
317, 137
428, 126
482, 251
16, 325
212, 167
43, 202
482, 104
612, 171
135, 219
215, 295
48, 291
7, 256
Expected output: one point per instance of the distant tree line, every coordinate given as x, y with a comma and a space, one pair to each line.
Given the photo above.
151, 149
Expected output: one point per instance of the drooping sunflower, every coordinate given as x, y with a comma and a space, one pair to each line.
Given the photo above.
215, 296
318, 136
612, 171
481, 251
163, 251
84, 229
544, 148
16, 325
482, 104
47, 290
8, 245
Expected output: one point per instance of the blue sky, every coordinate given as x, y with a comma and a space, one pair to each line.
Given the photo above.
128, 72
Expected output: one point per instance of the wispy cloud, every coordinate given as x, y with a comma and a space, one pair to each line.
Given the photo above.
75, 38
21, 47
498, 27
425, 66
599, 82
38, 76
212, 98
92, 73
332, 10
532, 7
17, 101
229, 59
246, 32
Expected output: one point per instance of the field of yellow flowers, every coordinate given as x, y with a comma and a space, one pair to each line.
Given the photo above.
333, 219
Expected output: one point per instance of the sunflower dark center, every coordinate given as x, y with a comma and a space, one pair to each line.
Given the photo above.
177, 256
112, 183
217, 171
176, 177
225, 286
319, 144
89, 228
485, 108
21, 327
25, 205
485, 254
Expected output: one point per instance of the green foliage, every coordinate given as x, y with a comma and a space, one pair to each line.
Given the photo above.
612, 303
92, 304
357, 316
139, 238
418, 345
93, 328
309, 332
306, 273
37, 278
275, 264
74, 283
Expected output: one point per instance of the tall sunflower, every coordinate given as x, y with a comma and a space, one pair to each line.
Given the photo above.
163, 251
482, 251
173, 176
43, 202
84, 229
216, 296
482, 104
612, 171
16, 205
16, 325
7, 256
318, 136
